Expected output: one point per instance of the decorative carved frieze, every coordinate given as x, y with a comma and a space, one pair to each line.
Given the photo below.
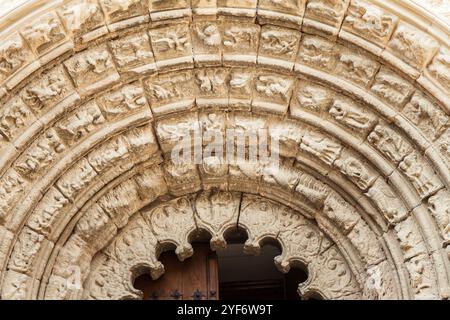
14, 55
360, 106
421, 174
77, 126
389, 143
352, 116
392, 88
369, 21
133, 54
76, 179
92, 70
317, 52
389, 204
356, 169
428, 117
15, 117
207, 42
41, 155
47, 90
217, 211
439, 207
278, 44
357, 68
240, 43
320, 146
170, 92
117, 10
172, 224
45, 33
172, 46
330, 12
83, 16
123, 101
47, 213
439, 69
413, 46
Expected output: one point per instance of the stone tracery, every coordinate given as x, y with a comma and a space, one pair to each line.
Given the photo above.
363, 124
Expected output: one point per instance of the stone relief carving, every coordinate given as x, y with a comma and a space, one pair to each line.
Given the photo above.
317, 53
320, 146
171, 92
421, 276
329, 11
356, 68
181, 178
217, 211
440, 69
25, 251
117, 10
133, 53
91, 69
33, 102
77, 126
279, 43
207, 42
81, 16
171, 42
335, 278
47, 90
387, 201
121, 203
413, 45
341, 212
161, 221
40, 155
428, 117
11, 189
411, 241
125, 100
356, 169
439, 206
44, 33
76, 179
13, 56
49, 210
352, 116
96, 227
443, 145
240, 42
311, 97
15, 116
392, 88
369, 21
389, 143
420, 174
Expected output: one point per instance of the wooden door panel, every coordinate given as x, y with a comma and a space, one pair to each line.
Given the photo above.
195, 278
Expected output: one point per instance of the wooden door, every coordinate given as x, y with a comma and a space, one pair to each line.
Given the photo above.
194, 279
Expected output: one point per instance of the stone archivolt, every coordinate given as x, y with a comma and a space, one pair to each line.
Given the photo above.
94, 96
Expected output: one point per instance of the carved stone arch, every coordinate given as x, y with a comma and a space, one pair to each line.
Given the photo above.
112, 269
95, 96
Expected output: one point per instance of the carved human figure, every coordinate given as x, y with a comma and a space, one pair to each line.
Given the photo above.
209, 34
390, 143
321, 146
13, 55
44, 33
351, 115
420, 174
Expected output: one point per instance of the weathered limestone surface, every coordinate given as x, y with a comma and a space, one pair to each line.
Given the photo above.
96, 96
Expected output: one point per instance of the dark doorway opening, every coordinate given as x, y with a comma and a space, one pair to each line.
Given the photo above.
227, 274
248, 277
